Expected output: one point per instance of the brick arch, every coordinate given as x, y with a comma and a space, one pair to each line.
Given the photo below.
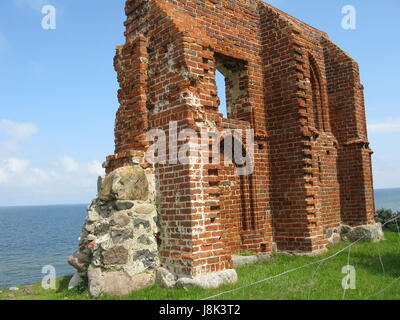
318, 105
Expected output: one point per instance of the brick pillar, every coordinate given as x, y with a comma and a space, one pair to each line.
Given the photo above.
293, 189
347, 115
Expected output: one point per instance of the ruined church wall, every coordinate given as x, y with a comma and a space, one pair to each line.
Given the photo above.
347, 111
166, 73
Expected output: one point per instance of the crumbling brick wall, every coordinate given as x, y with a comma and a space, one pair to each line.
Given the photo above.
288, 82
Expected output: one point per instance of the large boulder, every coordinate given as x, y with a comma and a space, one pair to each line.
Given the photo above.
165, 278
209, 280
119, 283
116, 283
126, 183
371, 232
75, 281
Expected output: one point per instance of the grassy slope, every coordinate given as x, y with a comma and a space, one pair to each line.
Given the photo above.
323, 282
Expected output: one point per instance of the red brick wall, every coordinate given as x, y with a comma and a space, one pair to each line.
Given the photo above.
283, 78
349, 127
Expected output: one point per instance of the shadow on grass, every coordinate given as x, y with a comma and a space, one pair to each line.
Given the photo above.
63, 284
390, 262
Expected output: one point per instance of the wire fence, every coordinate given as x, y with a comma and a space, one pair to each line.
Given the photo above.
319, 263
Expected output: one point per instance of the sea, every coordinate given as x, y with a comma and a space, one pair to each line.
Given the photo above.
36, 239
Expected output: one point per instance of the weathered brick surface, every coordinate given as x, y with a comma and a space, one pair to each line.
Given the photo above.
286, 80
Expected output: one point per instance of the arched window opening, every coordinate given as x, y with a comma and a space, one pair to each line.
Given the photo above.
317, 102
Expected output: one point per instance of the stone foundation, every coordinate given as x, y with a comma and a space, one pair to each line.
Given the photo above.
118, 247
118, 251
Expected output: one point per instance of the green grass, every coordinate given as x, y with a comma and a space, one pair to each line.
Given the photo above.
323, 282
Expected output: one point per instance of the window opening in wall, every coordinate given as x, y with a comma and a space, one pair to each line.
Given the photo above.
221, 89
231, 79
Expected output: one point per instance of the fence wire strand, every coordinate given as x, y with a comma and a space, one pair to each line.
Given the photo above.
314, 263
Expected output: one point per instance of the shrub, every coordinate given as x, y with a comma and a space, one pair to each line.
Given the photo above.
388, 218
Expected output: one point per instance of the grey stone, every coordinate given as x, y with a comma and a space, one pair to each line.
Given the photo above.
96, 282
145, 208
29, 291
329, 232
121, 235
126, 183
209, 281
119, 283
335, 238
147, 257
369, 232
345, 229
116, 283
115, 255
14, 289
165, 278
228, 276
121, 219
89, 228
264, 256
141, 222
99, 184
93, 216
146, 240
91, 237
123, 205
75, 281
239, 260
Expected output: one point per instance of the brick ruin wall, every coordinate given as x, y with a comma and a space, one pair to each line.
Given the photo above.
286, 80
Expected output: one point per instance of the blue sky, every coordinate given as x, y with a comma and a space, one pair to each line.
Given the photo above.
58, 90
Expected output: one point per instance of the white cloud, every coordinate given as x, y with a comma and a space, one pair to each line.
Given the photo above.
68, 164
63, 181
95, 167
60, 180
392, 126
11, 168
3, 176
15, 133
17, 165
17, 130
